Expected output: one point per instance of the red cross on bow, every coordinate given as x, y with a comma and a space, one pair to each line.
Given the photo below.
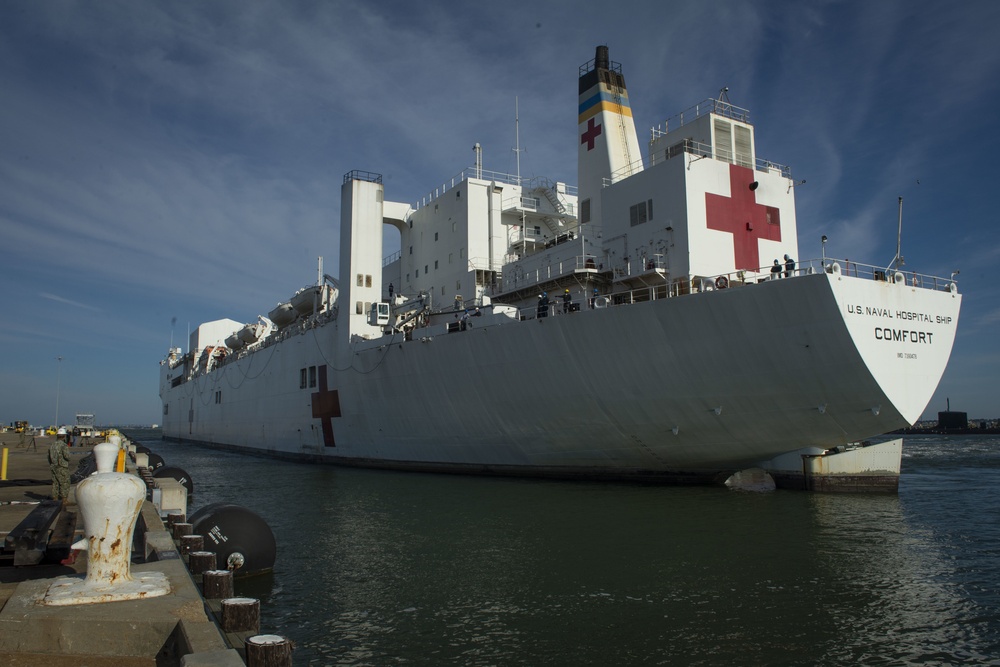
590, 135
741, 216
326, 406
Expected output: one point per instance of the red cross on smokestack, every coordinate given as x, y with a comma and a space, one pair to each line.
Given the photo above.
590, 136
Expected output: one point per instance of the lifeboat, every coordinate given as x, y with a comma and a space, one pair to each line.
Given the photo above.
233, 342
304, 301
249, 333
283, 314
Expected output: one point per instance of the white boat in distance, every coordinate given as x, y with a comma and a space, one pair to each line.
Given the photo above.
644, 326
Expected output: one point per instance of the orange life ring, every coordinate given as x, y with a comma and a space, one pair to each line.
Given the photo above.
722, 282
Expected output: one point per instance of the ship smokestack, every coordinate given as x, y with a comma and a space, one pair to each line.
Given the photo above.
601, 59
608, 148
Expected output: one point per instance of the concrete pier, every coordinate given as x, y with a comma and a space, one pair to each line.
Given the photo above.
174, 629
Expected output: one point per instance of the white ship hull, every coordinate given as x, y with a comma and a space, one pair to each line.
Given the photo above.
702, 384
691, 362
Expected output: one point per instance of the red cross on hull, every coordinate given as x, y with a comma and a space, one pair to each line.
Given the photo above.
741, 215
326, 406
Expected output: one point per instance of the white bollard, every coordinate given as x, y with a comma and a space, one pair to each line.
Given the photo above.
109, 504
106, 455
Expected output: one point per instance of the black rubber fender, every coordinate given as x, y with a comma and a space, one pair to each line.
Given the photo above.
203, 511
241, 539
155, 462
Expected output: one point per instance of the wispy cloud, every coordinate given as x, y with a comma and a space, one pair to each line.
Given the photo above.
990, 317
69, 302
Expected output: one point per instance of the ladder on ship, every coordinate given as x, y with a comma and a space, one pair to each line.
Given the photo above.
616, 96
553, 198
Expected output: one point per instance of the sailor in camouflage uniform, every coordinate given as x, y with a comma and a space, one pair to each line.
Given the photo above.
59, 465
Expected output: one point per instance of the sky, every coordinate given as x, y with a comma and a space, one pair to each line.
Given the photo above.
163, 164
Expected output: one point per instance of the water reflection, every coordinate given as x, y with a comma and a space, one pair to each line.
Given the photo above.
889, 591
380, 567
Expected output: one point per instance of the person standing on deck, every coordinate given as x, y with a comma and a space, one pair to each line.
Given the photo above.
789, 266
59, 466
543, 305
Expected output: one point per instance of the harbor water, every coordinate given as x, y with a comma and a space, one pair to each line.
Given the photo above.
388, 568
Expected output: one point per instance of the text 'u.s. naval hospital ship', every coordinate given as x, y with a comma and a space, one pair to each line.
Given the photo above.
634, 327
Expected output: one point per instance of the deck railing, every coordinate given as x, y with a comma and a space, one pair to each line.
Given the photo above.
696, 150
686, 285
527, 184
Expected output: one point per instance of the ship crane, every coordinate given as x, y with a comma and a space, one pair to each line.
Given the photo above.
412, 308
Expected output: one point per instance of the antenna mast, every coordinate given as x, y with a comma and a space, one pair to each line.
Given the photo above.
517, 140
517, 153
899, 236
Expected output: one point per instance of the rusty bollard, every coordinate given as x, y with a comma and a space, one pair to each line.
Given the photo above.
109, 504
